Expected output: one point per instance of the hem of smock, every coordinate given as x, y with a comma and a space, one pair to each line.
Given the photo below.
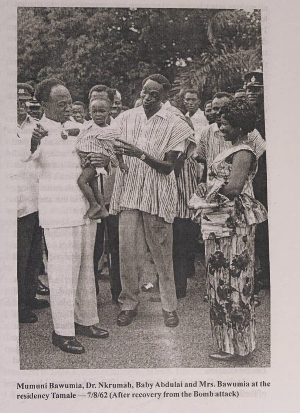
120, 209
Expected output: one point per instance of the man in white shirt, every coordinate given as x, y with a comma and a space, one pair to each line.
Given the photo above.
29, 236
191, 100
69, 237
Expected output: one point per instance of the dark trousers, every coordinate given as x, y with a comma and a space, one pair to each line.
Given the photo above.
112, 224
29, 255
185, 234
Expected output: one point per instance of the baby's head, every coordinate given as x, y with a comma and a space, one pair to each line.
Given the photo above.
100, 109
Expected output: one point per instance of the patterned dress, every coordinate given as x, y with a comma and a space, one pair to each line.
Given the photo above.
229, 233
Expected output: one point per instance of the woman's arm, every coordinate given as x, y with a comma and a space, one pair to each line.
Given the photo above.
165, 167
241, 164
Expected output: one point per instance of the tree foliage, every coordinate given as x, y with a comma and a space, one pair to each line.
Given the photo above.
234, 49
121, 46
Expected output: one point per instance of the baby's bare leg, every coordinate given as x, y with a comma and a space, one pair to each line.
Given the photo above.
103, 213
87, 176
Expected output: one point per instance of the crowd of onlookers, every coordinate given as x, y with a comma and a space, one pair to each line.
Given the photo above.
109, 181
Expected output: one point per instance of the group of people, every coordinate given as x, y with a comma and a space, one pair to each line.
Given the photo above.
150, 180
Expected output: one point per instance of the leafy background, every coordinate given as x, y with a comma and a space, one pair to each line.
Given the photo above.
208, 49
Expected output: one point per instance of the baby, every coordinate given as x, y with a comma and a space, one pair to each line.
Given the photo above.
97, 137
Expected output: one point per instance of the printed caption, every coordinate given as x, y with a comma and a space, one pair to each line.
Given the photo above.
157, 390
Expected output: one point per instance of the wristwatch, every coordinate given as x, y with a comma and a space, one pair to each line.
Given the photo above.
142, 157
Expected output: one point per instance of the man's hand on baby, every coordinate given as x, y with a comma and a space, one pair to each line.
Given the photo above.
98, 160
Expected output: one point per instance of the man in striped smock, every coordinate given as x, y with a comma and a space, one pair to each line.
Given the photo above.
146, 196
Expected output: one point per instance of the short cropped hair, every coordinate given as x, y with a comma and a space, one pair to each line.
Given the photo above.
102, 88
79, 103
43, 89
195, 91
101, 99
159, 79
239, 112
221, 95
207, 103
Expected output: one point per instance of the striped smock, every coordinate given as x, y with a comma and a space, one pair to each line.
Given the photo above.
187, 179
97, 139
142, 187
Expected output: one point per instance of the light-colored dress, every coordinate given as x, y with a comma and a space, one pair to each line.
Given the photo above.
229, 233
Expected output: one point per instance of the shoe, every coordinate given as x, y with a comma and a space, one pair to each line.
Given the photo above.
37, 304
170, 318
67, 344
222, 356
125, 317
91, 331
41, 288
27, 316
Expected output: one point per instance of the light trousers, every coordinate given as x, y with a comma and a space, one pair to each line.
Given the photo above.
139, 232
71, 277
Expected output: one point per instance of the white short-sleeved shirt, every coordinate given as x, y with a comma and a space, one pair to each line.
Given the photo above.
61, 202
199, 122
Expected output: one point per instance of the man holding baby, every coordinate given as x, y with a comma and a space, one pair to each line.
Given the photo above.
69, 236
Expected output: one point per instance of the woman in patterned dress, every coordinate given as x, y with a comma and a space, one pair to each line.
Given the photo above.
229, 214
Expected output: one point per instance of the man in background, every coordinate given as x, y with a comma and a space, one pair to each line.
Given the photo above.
29, 233
191, 100
79, 111
208, 112
110, 225
255, 93
117, 104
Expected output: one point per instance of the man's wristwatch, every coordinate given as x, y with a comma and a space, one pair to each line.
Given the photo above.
142, 157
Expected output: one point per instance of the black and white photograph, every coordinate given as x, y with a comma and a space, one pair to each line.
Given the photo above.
152, 251
149, 190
